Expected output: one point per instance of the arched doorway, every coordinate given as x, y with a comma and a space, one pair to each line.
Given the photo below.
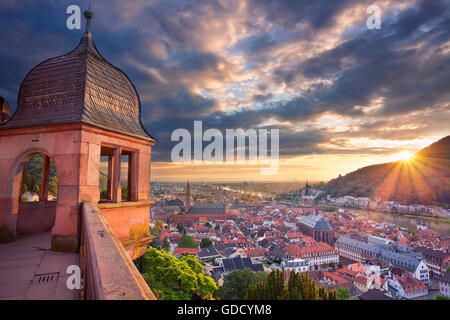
38, 195
33, 189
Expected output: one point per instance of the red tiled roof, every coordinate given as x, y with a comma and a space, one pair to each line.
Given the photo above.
320, 248
182, 251
409, 283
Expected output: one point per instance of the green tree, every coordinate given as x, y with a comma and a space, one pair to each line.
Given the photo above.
343, 293
158, 226
442, 297
176, 279
53, 187
332, 295
124, 191
208, 225
299, 287
236, 283
187, 242
275, 285
322, 293
206, 243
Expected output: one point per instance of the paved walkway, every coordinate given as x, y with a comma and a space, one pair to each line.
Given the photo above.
30, 270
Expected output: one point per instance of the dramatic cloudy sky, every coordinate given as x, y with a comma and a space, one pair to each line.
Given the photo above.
342, 96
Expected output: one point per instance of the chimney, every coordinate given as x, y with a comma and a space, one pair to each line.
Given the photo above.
5, 110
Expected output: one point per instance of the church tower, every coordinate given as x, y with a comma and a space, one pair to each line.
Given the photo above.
307, 196
187, 203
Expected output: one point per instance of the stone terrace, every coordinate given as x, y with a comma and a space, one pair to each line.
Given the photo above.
24, 260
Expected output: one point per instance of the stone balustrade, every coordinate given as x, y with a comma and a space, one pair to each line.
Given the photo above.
107, 271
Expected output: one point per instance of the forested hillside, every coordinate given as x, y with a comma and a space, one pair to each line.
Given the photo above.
423, 180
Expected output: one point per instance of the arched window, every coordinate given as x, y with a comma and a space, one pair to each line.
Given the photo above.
40, 180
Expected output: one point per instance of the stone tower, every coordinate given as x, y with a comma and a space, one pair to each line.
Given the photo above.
77, 109
307, 196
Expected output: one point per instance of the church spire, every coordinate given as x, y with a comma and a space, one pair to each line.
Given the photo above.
187, 204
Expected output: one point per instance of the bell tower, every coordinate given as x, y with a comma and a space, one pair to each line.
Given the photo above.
187, 202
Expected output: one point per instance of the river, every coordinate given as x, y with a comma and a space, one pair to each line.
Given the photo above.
409, 222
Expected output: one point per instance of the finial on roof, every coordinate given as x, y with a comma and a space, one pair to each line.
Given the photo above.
89, 15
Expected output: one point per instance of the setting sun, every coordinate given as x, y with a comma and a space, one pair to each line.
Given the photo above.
404, 156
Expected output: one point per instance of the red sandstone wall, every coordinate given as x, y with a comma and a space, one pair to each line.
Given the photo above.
128, 222
62, 144
36, 216
75, 151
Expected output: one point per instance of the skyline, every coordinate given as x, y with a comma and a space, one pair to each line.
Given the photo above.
226, 150
343, 96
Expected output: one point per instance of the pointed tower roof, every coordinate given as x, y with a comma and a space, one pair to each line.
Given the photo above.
307, 190
80, 86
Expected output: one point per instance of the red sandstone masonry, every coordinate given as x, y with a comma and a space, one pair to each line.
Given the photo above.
108, 272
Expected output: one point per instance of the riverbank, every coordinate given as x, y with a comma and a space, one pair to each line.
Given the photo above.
402, 214
444, 220
406, 221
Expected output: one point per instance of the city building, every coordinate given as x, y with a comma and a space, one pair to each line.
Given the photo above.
239, 263
317, 227
318, 254
444, 285
298, 265
208, 253
374, 294
179, 252
163, 213
360, 248
406, 286
436, 260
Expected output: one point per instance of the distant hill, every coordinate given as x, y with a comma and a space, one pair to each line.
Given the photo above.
422, 180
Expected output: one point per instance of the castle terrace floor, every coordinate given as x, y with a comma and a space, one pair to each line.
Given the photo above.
29, 270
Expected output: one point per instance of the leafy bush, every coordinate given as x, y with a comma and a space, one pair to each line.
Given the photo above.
175, 279
187, 242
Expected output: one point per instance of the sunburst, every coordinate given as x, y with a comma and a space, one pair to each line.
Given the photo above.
404, 155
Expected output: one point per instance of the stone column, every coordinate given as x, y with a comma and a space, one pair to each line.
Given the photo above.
43, 192
117, 192
133, 176
110, 175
